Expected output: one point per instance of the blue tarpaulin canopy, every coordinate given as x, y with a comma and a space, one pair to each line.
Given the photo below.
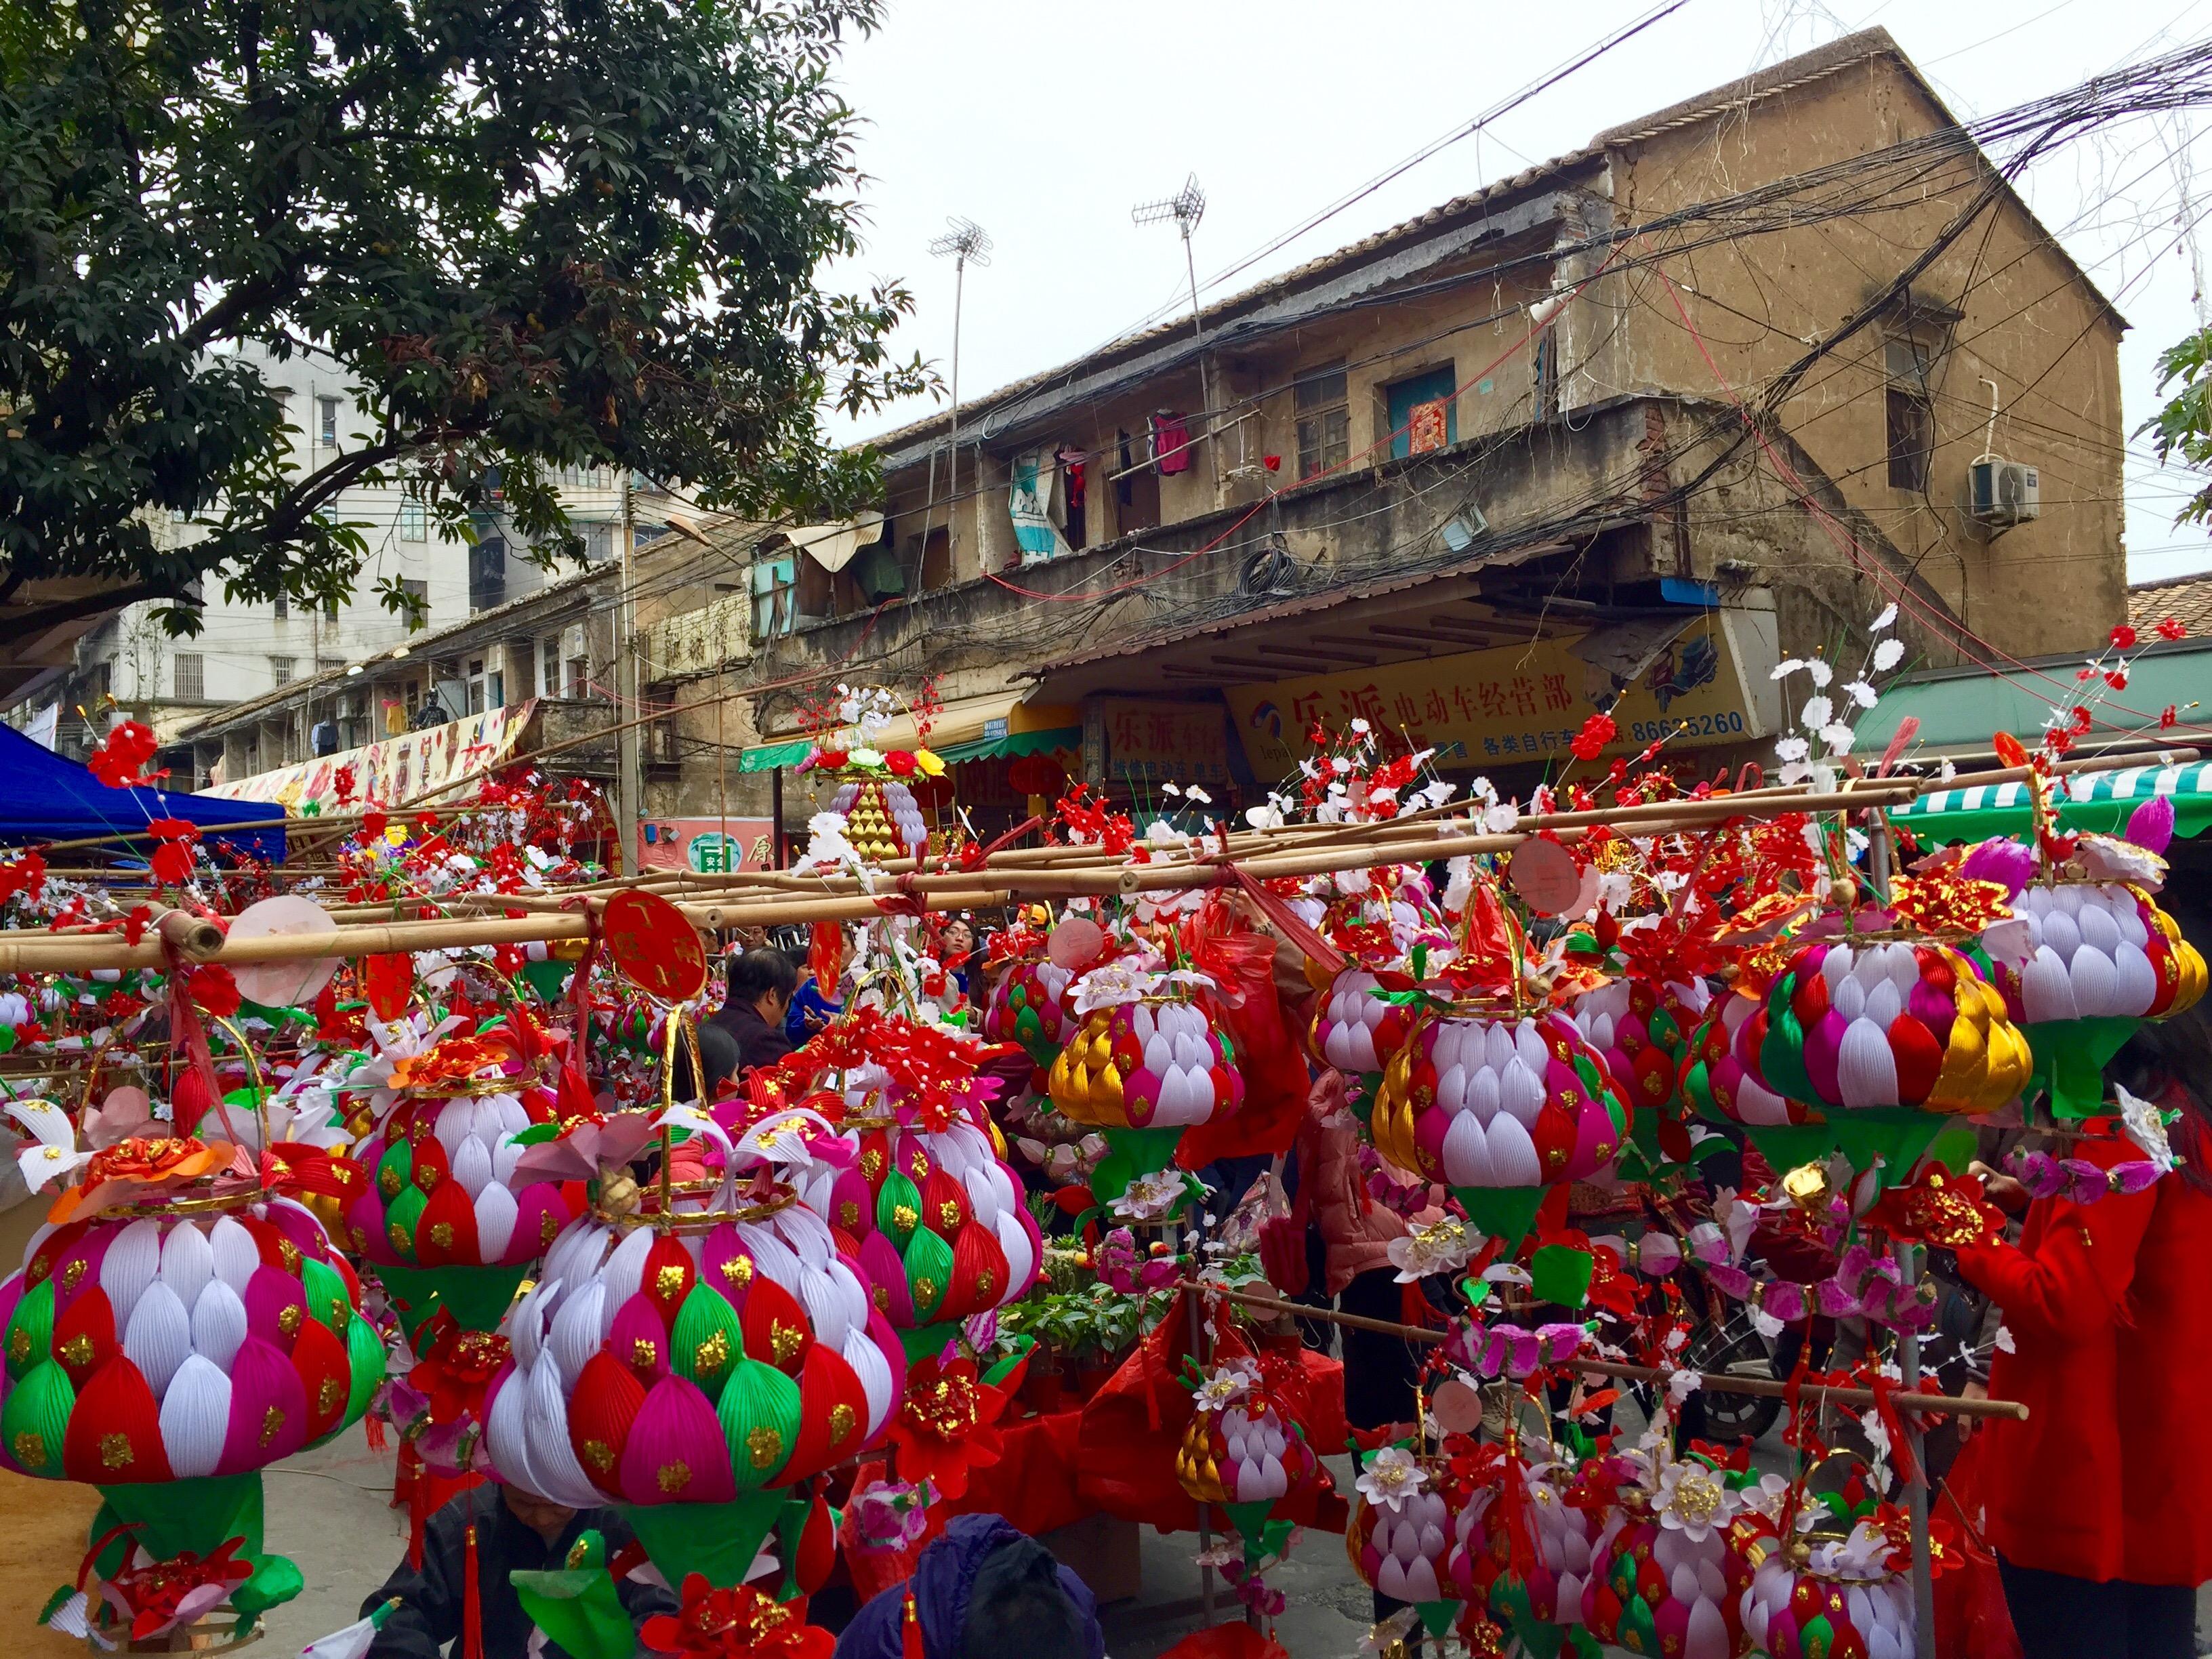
45, 798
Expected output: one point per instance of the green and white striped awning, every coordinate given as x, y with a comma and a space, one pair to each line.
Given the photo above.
2097, 801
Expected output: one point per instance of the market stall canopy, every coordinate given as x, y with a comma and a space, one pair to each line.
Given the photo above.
45, 798
968, 728
2097, 801
1958, 709
394, 771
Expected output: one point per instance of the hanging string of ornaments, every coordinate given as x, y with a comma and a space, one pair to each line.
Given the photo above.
422, 1138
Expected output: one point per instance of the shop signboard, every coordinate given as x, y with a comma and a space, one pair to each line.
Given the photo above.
1518, 703
707, 847
1143, 741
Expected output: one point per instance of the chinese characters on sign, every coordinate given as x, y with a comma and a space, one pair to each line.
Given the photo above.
1509, 704
1163, 742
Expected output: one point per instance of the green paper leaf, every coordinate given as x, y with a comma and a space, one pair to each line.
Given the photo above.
478, 1297
1437, 1617
716, 1541
1503, 1212
579, 1611
1561, 1275
274, 1580
199, 1514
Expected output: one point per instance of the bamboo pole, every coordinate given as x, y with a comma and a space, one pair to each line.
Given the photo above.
1934, 1404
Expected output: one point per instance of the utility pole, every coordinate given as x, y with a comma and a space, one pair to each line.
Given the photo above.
965, 240
1187, 207
628, 789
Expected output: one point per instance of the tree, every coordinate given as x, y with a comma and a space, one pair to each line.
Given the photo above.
2183, 427
536, 234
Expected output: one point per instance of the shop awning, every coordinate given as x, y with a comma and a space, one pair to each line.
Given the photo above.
967, 728
1958, 709
1013, 745
767, 756
2097, 801
49, 798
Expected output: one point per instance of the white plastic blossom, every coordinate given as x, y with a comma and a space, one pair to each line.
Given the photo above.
1391, 1477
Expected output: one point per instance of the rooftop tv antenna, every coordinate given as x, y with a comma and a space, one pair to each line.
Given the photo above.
1187, 207
968, 244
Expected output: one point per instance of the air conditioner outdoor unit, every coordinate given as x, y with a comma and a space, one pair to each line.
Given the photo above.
2003, 493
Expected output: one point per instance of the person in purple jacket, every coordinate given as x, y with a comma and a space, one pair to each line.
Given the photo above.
984, 1590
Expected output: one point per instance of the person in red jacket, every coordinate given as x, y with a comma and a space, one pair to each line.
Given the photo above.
2166, 1342
2082, 1354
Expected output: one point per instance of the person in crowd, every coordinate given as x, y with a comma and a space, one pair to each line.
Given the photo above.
517, 1531
2094, 1503
956, 950
718, 1050
811, 1009
983, 1590
761, 984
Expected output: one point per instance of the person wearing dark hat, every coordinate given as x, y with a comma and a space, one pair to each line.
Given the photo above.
984, 1590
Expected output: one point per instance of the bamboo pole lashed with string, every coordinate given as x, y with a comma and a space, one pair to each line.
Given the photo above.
1718, 1383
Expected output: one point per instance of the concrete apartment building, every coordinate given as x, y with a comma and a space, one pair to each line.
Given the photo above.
1618, 432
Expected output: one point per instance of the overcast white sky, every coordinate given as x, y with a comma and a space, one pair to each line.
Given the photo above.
1046, 123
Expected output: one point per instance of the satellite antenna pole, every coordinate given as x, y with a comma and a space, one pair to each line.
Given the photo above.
965, 240
1187, 207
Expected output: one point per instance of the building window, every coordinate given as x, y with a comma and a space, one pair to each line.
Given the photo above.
1911, 413
331, 607
284, 670
190, 671
181, 515
283, 606
1423, 413
414, 522
775, 596
1324, 419
548, 666
330, 422
418, 590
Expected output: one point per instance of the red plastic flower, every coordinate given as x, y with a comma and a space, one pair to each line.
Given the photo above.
946, 1425
740, 1623
122, 755
902, 762
2168, 718
1598, 731
151, 1158
1939, 1208
173, 862
456, 1370
2170, 630
2116, 679
2123, 637
165, 1593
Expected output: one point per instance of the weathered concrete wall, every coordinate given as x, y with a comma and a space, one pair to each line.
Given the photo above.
1757, 301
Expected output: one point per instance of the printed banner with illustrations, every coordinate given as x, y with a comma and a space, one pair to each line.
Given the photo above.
393, 771
1514, 704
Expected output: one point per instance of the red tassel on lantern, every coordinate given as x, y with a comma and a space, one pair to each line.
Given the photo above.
471, 1605
910, 1629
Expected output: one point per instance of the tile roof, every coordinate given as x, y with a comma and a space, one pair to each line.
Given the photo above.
2187, 599
1788, 75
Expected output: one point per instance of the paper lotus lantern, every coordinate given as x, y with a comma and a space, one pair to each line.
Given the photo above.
1499, 1108
1478, 1565
1839, 1597
1721, 1078
1664, 1577
882, 820
937, 1227
1244, 1451
1025, 1008
166, 1358
1642, 1029
1142, 1071
1400, 1528
1355, 1029
445, 1222
2100, 956
1151, 1063
707, 1359
1890, 1024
